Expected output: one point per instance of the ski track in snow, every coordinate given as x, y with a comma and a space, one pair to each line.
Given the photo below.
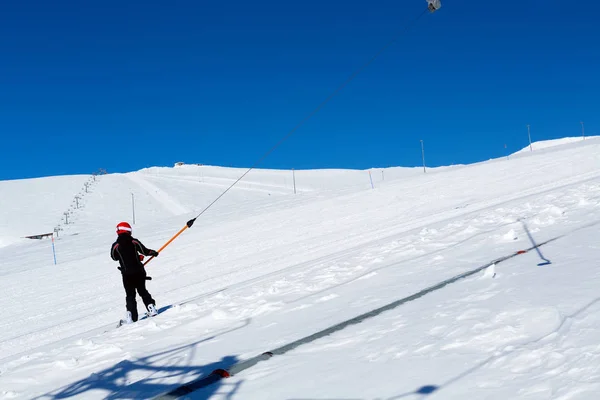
316, 260
224, 183
171, 205
328, 269
538, 349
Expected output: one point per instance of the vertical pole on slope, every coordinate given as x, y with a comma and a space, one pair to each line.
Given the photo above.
382, 177
423, 155
53, 250
294, 178
133, 207
371, 178
582, 130
529, 135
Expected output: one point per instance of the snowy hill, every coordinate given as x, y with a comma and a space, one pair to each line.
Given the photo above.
159, 193
547, 144
266, 267
35, 206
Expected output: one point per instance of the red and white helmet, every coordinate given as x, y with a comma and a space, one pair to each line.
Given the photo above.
123, 227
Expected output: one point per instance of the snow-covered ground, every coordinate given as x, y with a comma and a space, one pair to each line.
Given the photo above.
547, 144
265, 267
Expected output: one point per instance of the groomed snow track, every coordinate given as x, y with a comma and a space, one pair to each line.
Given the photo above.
219, 374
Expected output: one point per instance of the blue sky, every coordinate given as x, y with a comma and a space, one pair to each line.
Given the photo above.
126, 85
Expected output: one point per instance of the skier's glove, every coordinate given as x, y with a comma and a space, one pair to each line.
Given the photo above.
153, 253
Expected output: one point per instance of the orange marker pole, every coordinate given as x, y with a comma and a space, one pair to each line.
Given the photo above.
187, 225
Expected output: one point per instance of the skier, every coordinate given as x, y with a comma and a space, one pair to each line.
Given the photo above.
125, 250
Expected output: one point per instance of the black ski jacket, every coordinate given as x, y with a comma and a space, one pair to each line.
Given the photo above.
125, 250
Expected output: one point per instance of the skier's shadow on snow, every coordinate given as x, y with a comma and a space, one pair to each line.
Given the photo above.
163, 372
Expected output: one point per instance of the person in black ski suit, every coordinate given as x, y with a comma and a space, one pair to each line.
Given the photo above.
126, 250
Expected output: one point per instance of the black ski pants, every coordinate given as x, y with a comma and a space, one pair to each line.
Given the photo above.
132, 283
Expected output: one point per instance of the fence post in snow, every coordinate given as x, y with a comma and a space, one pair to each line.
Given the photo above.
294, 178
371, 178
423, 155
66, 218
133, 207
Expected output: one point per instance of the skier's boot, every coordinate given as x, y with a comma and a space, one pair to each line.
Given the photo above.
128, 319
152, 310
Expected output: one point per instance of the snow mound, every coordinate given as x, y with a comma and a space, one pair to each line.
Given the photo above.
545, 144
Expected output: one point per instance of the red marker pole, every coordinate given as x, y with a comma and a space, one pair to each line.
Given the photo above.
53, 250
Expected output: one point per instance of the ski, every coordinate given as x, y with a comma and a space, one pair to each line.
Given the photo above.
143, 317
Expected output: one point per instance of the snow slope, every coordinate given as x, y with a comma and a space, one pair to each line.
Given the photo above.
265, 267
547, 144
35, 206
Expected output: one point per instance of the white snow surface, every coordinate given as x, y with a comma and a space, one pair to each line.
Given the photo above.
547, 144
264, 267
